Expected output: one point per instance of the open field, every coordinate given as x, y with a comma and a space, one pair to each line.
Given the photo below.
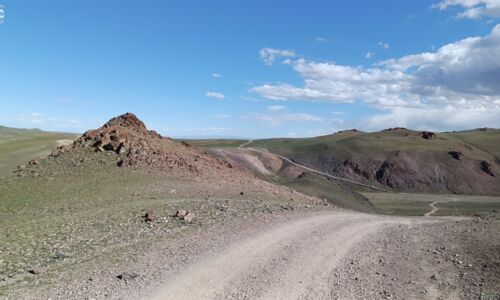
419, 204
18, 146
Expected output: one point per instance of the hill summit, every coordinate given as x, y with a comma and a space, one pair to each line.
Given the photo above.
127, 137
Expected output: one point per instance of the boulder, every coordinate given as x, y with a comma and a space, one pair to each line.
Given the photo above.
36, 270
127, 276
427, 135
189, 217
150, 216
181, 213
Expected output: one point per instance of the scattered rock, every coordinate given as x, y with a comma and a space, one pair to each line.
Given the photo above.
127, 276
37, 270
428, 135
395, 129
456, 154
181, 213
354, 130
189, 217
487, 168
150, 216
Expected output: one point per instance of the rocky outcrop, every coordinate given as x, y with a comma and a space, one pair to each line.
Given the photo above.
136, 146
428, 135
456, 154
487, 168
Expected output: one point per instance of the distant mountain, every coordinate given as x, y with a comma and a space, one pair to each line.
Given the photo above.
462, 162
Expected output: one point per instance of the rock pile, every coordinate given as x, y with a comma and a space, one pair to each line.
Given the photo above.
427, 135
128, 137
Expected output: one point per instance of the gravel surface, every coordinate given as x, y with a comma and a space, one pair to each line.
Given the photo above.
319, 253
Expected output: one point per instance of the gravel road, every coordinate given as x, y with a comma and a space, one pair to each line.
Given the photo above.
315, 257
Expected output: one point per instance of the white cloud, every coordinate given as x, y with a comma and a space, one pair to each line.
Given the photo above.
269, 55
279, 118
291, 134
39, 120
216, 75
321, 40
207, 130
435, 118
221, 116
369, 55
336, 112
251, 99
463, 75
384, 45
2, 14
472, 9
215, 95
276, 107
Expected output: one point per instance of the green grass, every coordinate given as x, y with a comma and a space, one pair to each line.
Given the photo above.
448, 205
469, 208
217, 143
18, 146
362, 144
323, 188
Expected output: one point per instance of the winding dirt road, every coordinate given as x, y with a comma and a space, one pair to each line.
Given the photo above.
433, 209
245, 145
294, 260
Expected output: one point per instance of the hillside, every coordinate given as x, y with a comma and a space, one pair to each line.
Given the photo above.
466, 162
112, 197
18, 146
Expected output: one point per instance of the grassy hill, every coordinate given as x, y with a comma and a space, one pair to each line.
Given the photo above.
410, 163
18, 146
466, 162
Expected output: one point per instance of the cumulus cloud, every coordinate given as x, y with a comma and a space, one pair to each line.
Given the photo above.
472, 9
215, 95
216, 75
269, 55
369, 55
435, 118
463, 75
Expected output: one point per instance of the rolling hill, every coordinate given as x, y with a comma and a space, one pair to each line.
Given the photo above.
18, 146
465, 162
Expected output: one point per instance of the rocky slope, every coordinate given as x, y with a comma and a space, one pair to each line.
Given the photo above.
134, 146
404, 160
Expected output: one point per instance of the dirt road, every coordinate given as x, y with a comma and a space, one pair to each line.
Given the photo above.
347, 255
433, 209
245, 145
294, 260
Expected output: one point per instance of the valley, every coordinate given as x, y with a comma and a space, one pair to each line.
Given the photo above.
106, 217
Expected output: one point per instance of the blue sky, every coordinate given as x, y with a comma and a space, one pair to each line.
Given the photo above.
250, 68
